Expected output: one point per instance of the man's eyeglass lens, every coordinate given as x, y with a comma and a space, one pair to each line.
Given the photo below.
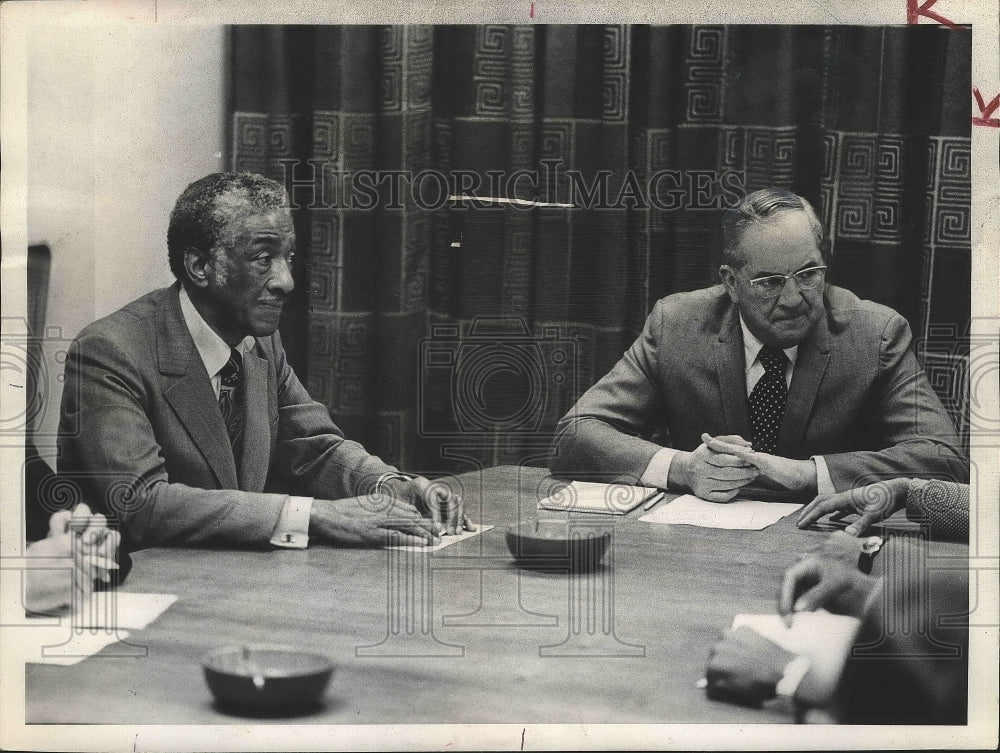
806, 279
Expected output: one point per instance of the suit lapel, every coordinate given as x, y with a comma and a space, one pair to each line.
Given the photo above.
188, 390
732, 375
810, 365
256, 434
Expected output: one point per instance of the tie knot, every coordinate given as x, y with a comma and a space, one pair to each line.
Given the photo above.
772, 359
231, 371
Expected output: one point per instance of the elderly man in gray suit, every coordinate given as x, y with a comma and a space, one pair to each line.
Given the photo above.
773, 379
184, 422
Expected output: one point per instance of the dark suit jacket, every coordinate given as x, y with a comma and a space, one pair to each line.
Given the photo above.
141, 432
858, 396
910, 660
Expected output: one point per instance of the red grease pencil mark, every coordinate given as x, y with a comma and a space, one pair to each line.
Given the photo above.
985, 110
914, 10
531, 13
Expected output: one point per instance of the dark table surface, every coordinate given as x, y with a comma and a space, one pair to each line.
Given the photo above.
458, 635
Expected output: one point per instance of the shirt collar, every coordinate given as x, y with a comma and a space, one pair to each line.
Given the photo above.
752, 346
212, 349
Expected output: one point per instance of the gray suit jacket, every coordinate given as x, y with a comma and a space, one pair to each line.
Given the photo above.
142, 434
858, 396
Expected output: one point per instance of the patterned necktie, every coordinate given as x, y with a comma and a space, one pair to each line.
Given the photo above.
767, 400
231, 400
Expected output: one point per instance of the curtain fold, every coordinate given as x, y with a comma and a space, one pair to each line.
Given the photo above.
444, 335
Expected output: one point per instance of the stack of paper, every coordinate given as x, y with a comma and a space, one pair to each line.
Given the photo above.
587, 496
744, 514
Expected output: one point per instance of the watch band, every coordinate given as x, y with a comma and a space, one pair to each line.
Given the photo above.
390, 476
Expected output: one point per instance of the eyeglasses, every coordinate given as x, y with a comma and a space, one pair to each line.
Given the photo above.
771, 286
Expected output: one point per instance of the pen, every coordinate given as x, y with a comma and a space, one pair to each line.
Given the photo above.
652, 502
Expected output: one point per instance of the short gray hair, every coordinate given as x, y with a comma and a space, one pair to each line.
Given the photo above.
758, 207
202, 213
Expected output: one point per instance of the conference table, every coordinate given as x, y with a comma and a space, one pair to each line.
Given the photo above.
458, 635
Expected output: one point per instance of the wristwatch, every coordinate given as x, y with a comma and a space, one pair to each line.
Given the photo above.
390, 476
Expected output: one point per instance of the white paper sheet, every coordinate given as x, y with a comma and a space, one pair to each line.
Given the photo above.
824, 637
124, 610
104, 620
445, 541
751, 515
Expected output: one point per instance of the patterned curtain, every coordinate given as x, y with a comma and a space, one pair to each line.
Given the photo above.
445, 334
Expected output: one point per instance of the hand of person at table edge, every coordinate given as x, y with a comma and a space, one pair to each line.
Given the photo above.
874, 503
745, 667
830, 583
83, 536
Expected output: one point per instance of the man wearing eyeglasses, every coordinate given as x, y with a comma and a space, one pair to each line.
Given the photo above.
773, 379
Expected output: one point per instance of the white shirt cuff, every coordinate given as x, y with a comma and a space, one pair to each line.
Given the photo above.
292, 529
824, 484
658, 470
790, 680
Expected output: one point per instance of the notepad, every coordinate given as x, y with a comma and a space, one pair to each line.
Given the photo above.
745, 514
588, 496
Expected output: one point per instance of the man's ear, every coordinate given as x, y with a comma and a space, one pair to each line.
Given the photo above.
728, 276
195, 264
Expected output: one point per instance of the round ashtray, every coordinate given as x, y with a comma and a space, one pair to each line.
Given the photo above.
557, 544
264, 678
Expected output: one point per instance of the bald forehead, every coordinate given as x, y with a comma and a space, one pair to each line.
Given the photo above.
780, 244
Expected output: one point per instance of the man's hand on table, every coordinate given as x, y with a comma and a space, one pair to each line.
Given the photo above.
874, 503
444, 506
713, 475
745, 667
785, 473
828, 582
82, 535
372, 520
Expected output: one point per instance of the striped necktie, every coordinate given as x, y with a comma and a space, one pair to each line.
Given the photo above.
231, 400
767, 400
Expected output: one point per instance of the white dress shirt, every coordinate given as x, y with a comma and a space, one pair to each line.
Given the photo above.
291, 531
658, 470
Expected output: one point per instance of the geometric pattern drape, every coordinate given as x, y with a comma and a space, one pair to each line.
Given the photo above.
441, 334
